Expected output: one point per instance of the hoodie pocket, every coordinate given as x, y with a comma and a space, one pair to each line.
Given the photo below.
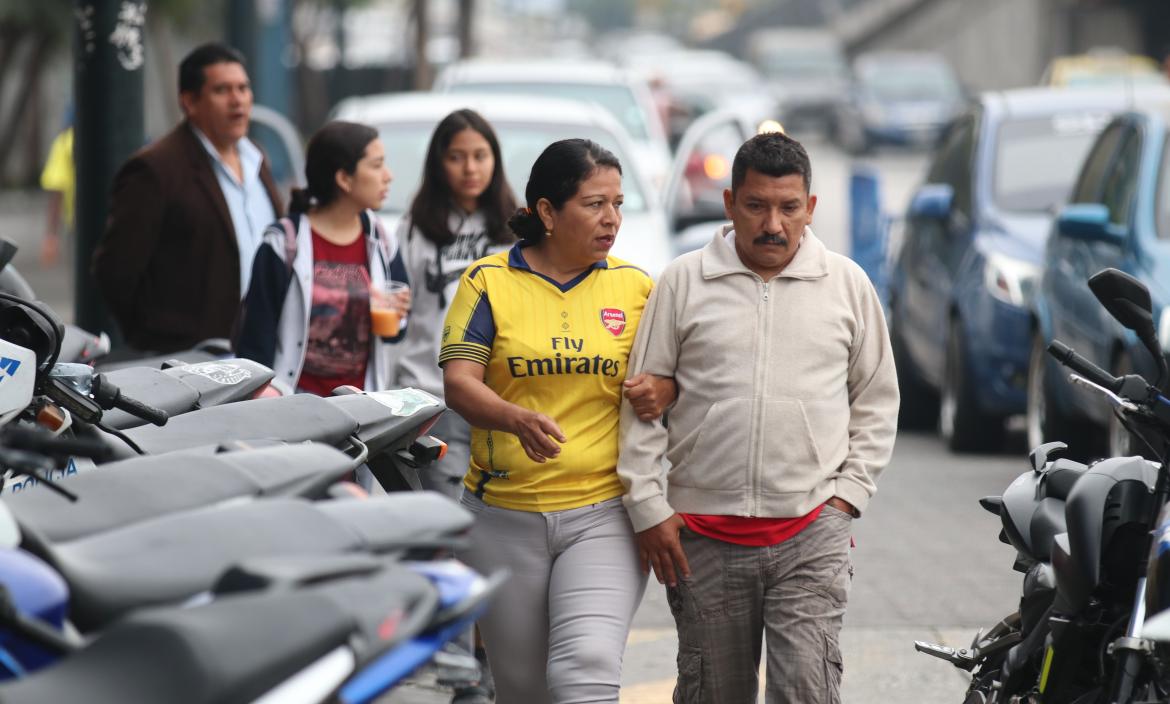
791, 457
721, 446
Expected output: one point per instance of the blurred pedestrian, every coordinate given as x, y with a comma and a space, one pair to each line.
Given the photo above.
534, 354
59, 181
307, 313
786, 413
187, 214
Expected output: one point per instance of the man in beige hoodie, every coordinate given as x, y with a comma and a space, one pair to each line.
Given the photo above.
786, 414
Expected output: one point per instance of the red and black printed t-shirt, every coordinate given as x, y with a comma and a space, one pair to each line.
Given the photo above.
338, 346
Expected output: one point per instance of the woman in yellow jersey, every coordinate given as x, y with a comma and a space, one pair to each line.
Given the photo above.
534, 354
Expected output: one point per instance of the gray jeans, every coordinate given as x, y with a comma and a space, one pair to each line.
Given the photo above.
792, 595
557, 631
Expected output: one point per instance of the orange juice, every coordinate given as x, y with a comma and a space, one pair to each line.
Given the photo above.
385, 321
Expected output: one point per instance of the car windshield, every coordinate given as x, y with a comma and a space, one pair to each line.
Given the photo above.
1037, 159
406, 149
619, 100
907, 81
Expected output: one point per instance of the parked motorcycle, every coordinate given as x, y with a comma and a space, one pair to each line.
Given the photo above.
1083, 538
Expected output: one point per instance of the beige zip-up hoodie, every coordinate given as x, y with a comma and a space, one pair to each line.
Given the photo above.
787, 393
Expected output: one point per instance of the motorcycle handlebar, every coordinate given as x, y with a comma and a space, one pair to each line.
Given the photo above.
141, 410
109, 395
1066, 356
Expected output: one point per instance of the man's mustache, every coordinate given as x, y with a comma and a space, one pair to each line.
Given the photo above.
771, 238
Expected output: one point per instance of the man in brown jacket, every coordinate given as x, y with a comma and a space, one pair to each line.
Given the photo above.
786, 413
187, 214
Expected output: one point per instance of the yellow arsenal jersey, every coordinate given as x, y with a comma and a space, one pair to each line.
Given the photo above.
560, 350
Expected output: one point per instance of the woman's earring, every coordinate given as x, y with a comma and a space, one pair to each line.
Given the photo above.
548, 233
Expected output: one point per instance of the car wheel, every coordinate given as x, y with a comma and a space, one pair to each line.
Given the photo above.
919, 402
1045, 420
963, 425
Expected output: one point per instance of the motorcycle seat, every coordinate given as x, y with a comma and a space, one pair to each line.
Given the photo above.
233, 650
135, 490
1061, 476
298, 418
436, 522
171, 558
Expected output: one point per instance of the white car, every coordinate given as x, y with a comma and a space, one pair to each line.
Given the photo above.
623, 93
525, 125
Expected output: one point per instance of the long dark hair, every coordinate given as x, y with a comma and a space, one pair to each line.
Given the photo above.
556, 175
431, 210
336, 146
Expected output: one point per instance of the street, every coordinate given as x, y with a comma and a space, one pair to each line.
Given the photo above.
927, 562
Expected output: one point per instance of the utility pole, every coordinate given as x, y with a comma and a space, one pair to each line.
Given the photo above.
109, 54
262, 31
466, 28
422, 67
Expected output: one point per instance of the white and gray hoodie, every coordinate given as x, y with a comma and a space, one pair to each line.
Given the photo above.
434, 274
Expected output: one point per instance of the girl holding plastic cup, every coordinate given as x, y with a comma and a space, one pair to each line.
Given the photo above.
329, 291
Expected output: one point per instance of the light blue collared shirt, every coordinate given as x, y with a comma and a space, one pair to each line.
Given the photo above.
247, 201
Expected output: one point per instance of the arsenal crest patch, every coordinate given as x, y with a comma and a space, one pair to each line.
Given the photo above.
614, 320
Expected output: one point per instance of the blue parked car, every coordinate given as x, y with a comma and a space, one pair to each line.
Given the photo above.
961, 286
1118, 216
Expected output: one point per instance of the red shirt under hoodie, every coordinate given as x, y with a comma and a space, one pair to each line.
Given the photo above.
338, 346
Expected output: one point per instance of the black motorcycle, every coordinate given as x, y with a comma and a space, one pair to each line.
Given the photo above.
1084, 538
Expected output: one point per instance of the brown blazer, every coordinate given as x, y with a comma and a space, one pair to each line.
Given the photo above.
168, 264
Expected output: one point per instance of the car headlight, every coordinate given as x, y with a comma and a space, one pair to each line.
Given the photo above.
1010, 280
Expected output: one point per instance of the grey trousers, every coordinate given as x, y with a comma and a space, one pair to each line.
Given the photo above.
791, 595
557, 631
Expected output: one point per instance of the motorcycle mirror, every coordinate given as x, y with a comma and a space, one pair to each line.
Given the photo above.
1128, 301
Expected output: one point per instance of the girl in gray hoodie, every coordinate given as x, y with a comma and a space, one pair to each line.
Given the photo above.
459, 215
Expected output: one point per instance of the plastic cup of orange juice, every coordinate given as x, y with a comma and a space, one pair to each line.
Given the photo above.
386, 307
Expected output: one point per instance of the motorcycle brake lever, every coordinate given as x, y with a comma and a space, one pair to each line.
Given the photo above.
1117, 401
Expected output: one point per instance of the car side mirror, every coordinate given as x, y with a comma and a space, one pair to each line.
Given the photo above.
1128, 301
1088, 222
933, 201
